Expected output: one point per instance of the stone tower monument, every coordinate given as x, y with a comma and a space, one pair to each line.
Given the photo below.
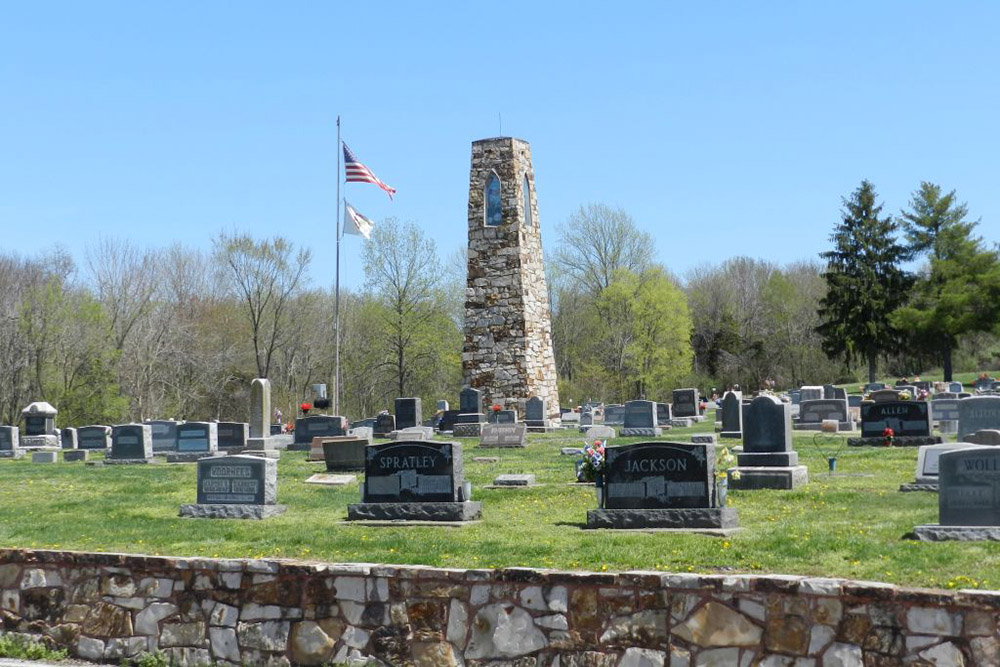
508, 330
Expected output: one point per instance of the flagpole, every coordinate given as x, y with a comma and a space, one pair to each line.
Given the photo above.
336, 307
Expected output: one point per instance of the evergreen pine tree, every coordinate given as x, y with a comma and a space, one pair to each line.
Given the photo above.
865, 283
959, 290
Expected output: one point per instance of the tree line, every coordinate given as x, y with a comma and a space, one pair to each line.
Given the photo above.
134, 334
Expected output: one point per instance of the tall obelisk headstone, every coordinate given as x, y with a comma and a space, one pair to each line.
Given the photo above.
508, 330
260, 442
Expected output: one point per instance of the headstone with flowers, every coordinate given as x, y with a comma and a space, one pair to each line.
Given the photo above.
658, 485
315, 426
902, 423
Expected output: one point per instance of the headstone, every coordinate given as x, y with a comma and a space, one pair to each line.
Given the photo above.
810, 393
344, 452
412, 433
945, 411
768, 460
44, 457
442, 405
685, 402
317, 426
572, 417
813, 413
640, 420
39, 426
325, 479
968, 496
448, 420
470, 401
732, 414
536, 415
586, 418
873, 386
661, 485
884, 395
363, 432
10, 447
905, 418
197, 439
956, 387
614, 415
977, 413
414, 481
854, 400
984, 437
408, 412
71, 455
384, 425
164, 435
506, 417
514, 481
839, 393
503, 435
704, 439
67, 436
662, 414
236, 487
233, 436
93, 437
928, 459
260, 409
131, 443
829, 391
600, 432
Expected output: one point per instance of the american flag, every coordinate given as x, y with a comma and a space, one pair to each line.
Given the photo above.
359, 173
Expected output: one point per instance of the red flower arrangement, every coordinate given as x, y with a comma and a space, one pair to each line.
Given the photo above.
306, 407
887, 435
497, 407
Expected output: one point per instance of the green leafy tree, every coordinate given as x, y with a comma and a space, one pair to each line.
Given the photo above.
647, 331
959, 290
865, 283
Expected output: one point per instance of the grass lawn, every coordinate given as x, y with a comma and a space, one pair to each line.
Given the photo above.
844, 526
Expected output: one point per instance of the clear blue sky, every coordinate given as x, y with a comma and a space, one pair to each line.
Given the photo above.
723, 128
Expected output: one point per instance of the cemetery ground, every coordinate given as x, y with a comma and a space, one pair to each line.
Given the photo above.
849, 526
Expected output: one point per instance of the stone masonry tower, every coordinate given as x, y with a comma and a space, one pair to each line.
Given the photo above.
508, 330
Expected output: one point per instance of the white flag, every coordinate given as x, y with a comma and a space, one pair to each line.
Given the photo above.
355, 223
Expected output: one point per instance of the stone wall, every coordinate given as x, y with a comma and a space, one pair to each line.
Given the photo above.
265, 612
508, 330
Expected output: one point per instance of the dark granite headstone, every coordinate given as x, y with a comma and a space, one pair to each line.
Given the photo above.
854, 400
317, 426
978, 413
9, 438
503, 435
233, 436
164, 435
956, 387
767, 434
886, 395
36, 425
905, 418
424, 472
534, 411
662, 414
93, 437
614, 415
969, 482
873, 386
470, 401
685, 403
131, 442
344, 453
67, 436
197, 437
640, 414
237, 480
654, 475
506, 417
408, 413
829, 391
732, 415
384, 425
448, 420
814, 412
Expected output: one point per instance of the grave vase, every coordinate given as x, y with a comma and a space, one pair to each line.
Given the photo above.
721, 489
